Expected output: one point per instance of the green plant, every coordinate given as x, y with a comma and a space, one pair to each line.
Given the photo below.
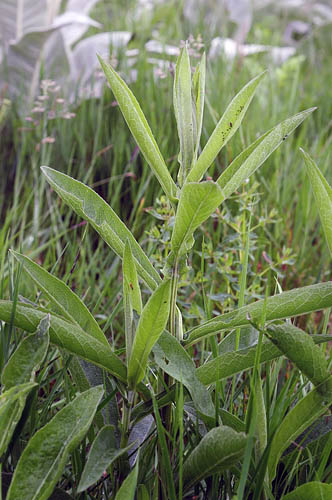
159, 362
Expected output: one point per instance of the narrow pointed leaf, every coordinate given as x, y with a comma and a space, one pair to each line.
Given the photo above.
66, 301
150, 326
323, 196
199, 97
221, 448
197, 202
304, 413
140, 129
284, 305
91, 207
102, 454
225, 128
67, 336
231, 180
12, 404
46, 454
28, 357
183, 112
128, 487
232, 362
300, 348
172, 358
130, 278
311, 491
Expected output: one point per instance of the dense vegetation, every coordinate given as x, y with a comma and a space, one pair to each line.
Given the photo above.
173, 367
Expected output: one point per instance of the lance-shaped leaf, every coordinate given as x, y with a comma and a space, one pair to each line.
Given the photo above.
140, 129
232, 362
172, 358
91, 207
311, 491
12, 403
300, 348
102, 454
128, 487
231, 179
197, 202
28, 357
220, 449
284, 305
150, 326
199, 98
304, 413
323, 196
46, 454
68, 304
184, 113
65, 335
225, 128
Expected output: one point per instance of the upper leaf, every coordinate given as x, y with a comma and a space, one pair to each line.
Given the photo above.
323, 196
199, 97
197, 202
225, 129
150, 326
91, 207
45, 456
140, 129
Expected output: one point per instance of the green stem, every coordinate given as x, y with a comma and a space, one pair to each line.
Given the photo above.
174, 290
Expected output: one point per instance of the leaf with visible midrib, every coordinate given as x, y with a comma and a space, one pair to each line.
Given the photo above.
45, 456
311, 491
225, 129
219, 449
323, 196
140, 129
284, 305
197, 202
150, 326
66, 301
91, 207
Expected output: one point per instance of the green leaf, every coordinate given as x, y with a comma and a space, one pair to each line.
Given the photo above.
304, 413
45, 456
183, 113
300, 348
142, 493
225, 129
171, 357
150, 326
221, 448
197, 202
91, 207
130, 278
323, 196
28, 357
12, 404
128, 487
102, 454
311, 491
68, 304
232, 362
199, 97
67, 336
140, 129
284, 305
231, 179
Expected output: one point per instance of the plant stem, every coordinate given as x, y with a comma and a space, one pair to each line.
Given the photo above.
174, 290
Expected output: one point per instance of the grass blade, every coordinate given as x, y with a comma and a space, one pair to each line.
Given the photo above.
140, 129
150, 326
45, 456
225, 128
284, 305
91, 207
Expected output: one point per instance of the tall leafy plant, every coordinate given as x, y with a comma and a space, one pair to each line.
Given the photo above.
154, 329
